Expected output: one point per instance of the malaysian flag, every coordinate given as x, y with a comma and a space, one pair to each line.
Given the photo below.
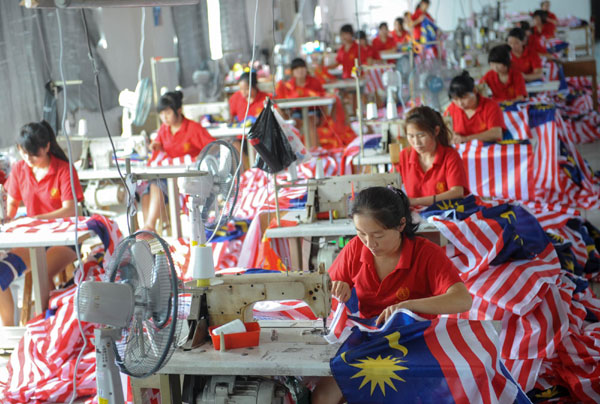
415, 360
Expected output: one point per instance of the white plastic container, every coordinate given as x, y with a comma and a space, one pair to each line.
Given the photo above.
231, 327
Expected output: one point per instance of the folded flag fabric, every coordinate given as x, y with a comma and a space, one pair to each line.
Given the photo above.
415, 360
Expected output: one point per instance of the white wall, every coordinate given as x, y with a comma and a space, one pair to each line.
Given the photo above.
121, 26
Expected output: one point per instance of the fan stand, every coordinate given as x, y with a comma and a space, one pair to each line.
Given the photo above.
105, 359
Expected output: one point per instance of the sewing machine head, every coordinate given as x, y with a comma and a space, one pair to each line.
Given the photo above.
236, 295
334, 194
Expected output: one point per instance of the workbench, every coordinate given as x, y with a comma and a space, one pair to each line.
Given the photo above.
287, 348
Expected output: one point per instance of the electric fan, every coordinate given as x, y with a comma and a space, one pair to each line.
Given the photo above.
138, 304
212, 201
136, 105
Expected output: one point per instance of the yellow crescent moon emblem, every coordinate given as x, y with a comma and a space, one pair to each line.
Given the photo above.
393, 339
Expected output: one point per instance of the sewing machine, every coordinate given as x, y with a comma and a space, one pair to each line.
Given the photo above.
231, 297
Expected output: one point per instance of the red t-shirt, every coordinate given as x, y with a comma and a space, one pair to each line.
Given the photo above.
346, 59
534, 44
423, 270
549, 29
417, 27
189, 139
527, 63
402, 38
290, 89
487, 115
238, 104
446, 172
378, 45
514, 87
49, 193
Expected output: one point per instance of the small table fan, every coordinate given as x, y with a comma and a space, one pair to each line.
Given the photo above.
139, 306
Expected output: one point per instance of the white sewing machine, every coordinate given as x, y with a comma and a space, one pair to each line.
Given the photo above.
232, 297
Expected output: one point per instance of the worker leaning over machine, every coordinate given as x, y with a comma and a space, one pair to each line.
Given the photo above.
41, 180
390, 268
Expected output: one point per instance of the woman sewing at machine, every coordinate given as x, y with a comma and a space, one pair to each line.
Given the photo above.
177, 137
431, 169
522, 59
506, 83
238, 103
42, 182
474, 117
390, 269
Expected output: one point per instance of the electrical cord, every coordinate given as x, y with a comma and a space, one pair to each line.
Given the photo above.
237, 170
142, 40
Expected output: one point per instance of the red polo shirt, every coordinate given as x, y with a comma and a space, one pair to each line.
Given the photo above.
446, 172
423, 270
534, 44
514, 87
346, 59
238, 104
487, 115
527, 63
189, 139
49, 193
417, 27
290, 89
379, 45
402, 38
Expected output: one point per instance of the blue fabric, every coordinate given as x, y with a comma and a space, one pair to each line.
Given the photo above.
7, 275
390, 366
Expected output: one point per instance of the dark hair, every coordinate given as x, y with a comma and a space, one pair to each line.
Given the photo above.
524, 25
246, 77
383, 24
172, 99
37, 135
361, 35
387, 206
517, 33
461, 85
500, 54
421, 2
427, 119
400, 20
542, 14
298, 62
347, 28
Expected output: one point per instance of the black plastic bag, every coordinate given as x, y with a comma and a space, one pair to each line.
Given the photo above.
274, 151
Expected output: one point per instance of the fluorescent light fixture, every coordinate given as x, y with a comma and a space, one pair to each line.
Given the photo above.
102, 42
318, 20
214, 29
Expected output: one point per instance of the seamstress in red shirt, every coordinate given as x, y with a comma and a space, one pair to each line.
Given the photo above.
371, 54
417, 18
391, 268
177, 137
400, 35
506, 83
474, 117
348, 51
384, 42
533, 41
551, 20
525, 61
41, 180
431, 169
238, 103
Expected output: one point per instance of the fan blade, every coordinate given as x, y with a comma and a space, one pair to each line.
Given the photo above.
144, 261
160, 292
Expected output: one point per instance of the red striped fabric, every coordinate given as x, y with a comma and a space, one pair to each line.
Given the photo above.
374, 78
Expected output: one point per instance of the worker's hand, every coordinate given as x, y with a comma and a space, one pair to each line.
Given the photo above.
387, 313
341, 290
457, 139
155, 146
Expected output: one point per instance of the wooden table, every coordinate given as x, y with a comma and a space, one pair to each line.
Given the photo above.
305, 103
345, 84
287, 348
171, 173
37, 243
583, 67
